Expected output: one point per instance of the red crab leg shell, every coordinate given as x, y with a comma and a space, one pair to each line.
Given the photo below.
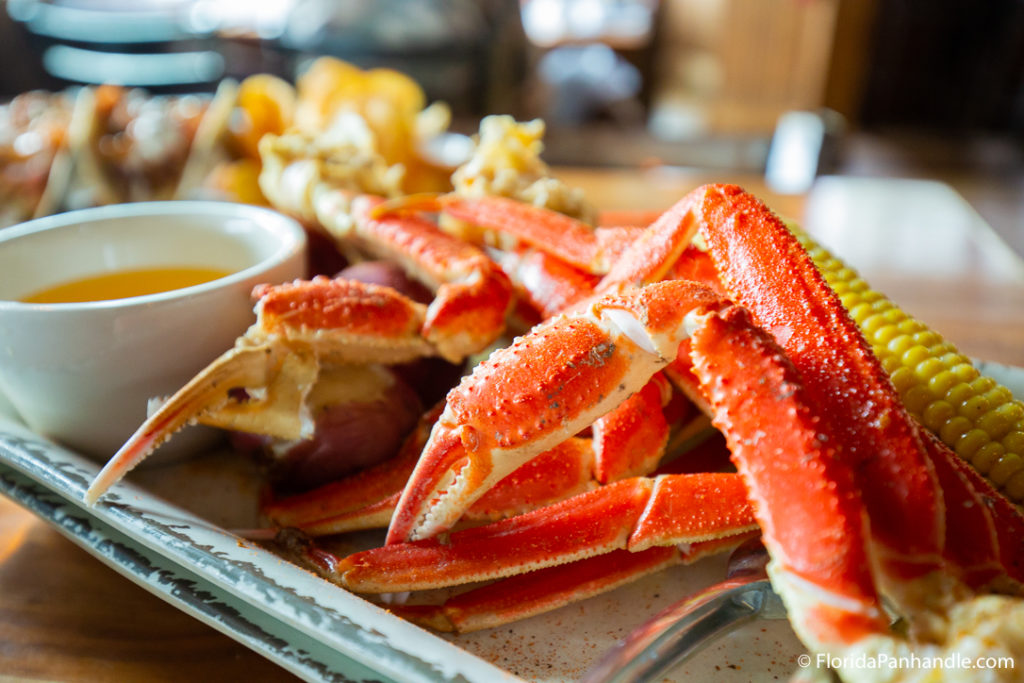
299, 325
680, 373
472, 295
1007, 520
695, 507
640, 218
567, 238
596, 522
696, 265
375, 515
539, 591
592, 523
547, 283
343, 320
971, 541
652, 254
764, 268
630, 440
613, 242
800, 490
556, 474
545, 387
691, 552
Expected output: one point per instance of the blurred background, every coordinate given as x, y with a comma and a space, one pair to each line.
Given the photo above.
790, 88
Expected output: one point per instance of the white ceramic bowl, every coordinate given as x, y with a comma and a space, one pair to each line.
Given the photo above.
81, 373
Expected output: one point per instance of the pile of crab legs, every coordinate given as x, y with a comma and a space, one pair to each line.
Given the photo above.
855, 501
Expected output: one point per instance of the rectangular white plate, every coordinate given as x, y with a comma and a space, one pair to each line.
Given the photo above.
166, 530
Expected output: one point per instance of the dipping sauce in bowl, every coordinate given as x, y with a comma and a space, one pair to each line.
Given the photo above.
123, 284
106, 308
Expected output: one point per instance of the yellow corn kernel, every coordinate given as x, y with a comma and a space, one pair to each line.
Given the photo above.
917, 399
1015, 486
894, 315
942, 382
965, 371
970, 443
937, 414
942, 350
903, 378
952, 431
998, 395
900, 345
886, 334
1008, 465
929, 338
959, 393
974, 407
851, 300
870, 325
907, 325
983, 384
928, 368
972, 414
987, 456
1014, 441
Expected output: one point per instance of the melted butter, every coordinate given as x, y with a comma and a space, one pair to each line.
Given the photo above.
124, 283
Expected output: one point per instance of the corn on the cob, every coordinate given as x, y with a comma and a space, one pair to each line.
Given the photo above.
974, 415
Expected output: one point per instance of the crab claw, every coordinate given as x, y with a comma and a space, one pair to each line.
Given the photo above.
261, 384
546, 387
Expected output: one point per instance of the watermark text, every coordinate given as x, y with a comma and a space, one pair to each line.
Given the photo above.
881, 660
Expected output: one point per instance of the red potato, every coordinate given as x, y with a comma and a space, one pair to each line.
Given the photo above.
361, 415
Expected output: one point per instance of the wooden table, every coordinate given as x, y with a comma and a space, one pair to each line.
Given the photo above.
65, 616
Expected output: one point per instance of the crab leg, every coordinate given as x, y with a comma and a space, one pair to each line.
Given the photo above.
772, 432
547, 284
830, 578
512, 224
275, 363
546, 387
536, 592
758, 258
830, 427
984, 530
836, 365
632, 514
573, 241
829, 585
